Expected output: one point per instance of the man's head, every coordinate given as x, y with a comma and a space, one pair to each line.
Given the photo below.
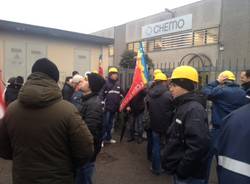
156, 71
74, 73
245, 76
113, 73
93, 83
47, 67
226, 76
184, 79
19, 81
160, 78
76, 80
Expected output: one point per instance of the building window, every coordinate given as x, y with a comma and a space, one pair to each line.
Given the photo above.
130, 46
144, 45
151, 45
179, 40
212, 36
157, 44
136, 46
111, 50
199, 37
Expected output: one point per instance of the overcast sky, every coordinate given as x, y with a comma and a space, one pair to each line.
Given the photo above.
84, 16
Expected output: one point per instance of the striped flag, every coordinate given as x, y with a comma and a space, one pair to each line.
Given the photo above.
2, 103
140, 79
100, 69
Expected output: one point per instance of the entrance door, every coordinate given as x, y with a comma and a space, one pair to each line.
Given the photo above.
15, 60
82, 61
34, 52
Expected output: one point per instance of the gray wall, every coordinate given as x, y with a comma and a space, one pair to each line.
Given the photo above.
120, 44
108, 33
235, 31
205, 13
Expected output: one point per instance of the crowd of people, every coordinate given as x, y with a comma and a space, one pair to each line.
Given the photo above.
54, 135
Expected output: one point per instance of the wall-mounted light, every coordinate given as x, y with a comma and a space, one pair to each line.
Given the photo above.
221, 47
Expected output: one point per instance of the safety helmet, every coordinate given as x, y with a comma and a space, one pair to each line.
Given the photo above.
95, 71
185, 72
157, 71
113, 70
228, 74
160, 77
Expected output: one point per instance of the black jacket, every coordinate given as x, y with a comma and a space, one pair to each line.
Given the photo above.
186, 150
91, 111
160, 108
111, 94
11, 93
67, 92
137, 103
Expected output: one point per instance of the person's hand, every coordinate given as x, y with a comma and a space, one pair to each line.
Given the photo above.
221, 78
128, 109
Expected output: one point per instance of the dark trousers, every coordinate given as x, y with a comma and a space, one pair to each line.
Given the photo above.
108, 125
85, 174
214, 132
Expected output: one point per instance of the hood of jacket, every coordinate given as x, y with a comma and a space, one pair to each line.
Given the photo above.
191, 96
157, 91
39, 91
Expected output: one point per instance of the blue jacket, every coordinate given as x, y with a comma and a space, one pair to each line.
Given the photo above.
234, 148
226, 98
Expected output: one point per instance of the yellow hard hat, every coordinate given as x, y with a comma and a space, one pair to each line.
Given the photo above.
160, 77
113, 70
95, 71
185, 72
157, 71
228, 74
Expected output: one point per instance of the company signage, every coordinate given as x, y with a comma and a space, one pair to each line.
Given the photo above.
168, 26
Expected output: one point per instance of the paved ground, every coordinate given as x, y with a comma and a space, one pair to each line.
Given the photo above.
121, 163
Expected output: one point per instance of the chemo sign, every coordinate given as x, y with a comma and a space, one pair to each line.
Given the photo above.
168, 26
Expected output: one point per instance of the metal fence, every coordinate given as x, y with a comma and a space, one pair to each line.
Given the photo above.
207, 71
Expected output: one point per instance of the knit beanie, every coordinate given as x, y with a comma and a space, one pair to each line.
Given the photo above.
96, 82
45, 66
184, 83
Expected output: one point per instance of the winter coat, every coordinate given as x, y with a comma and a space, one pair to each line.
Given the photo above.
48, 140
91, 111
226, 98
76, 99
234, 148
160, 108
137, 103
112, 95
11, 93
67, 92
186, 151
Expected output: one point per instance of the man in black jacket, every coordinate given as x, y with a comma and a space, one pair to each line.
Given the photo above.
111, 95
186, 150
91, 111
160, 114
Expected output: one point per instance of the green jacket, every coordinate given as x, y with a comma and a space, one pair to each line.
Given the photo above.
48, 138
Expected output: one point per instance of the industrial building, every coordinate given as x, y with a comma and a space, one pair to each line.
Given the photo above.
22, 44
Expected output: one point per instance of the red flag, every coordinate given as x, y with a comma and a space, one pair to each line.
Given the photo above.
139, 80
2, 103
100, 71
